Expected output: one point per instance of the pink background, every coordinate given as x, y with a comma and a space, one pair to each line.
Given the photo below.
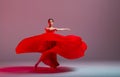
96, 21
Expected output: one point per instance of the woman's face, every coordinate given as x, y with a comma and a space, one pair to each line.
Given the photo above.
50, 22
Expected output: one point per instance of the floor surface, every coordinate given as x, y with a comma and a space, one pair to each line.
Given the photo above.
78, 69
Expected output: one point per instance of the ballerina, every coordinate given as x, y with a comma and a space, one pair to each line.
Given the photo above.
49, 44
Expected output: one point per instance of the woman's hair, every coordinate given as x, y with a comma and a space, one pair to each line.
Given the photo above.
50, 19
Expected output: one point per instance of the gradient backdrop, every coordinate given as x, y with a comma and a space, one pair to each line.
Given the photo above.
96, 21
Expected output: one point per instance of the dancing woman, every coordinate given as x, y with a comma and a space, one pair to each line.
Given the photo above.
49, 44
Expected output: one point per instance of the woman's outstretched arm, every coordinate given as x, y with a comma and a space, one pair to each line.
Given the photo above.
62, 28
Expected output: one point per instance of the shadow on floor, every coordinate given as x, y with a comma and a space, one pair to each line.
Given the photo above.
31, 70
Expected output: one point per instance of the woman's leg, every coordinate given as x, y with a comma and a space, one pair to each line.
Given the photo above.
49, 56
50, 59
36, 65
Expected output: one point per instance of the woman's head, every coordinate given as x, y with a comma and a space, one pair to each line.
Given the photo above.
50, 21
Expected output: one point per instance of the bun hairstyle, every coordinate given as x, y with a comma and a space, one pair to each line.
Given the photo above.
50, 19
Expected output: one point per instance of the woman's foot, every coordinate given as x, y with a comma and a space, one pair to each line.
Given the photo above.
54, 65
36, 66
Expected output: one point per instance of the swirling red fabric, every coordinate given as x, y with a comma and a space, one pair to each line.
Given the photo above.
49, 44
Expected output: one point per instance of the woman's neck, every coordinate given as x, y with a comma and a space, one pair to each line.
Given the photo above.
50, 25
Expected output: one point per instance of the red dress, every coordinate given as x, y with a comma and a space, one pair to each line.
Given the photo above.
50, 44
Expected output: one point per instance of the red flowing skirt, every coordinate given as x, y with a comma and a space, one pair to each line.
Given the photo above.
70, 46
